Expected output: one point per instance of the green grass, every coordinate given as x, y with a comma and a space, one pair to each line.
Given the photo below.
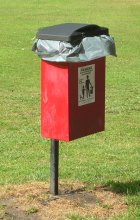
109, 158
78, 217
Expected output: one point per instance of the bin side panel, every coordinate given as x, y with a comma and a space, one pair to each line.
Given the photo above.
54, 101
87, 118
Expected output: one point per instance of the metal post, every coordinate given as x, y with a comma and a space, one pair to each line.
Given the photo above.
54, 160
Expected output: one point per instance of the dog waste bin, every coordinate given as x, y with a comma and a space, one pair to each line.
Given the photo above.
73, 79
72, 84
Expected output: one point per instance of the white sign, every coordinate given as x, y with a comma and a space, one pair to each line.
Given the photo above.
86, 85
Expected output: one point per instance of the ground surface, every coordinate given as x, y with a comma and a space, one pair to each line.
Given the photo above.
33, 201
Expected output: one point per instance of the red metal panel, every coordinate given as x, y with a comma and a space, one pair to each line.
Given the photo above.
54, 100
89, 118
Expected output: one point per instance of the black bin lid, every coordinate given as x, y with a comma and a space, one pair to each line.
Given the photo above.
70, 32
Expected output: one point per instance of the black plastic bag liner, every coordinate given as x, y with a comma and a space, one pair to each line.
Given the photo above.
73, 43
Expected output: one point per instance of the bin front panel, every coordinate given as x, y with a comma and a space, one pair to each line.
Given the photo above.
87, 111
54, 100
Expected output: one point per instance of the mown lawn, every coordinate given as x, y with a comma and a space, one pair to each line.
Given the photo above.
108, 158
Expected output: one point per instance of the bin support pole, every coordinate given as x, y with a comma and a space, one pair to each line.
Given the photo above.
54, 161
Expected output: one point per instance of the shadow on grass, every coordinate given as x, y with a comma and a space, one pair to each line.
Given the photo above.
128, 188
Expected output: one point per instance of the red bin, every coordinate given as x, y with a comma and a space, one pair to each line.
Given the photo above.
72, 99
72, 93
